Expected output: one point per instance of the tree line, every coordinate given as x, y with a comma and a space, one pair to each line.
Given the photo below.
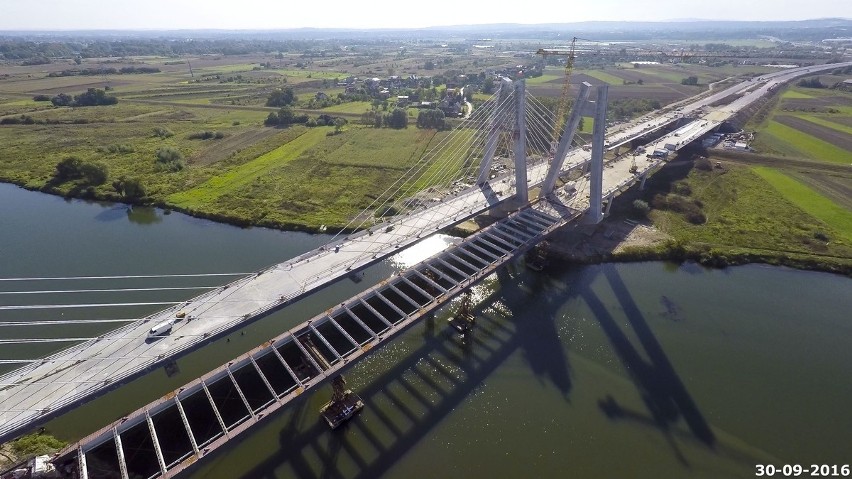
92, 97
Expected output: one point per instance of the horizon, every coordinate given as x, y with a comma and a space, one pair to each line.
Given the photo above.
264, 15
429, 27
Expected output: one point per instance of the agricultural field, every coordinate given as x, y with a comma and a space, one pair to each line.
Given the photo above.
654, 82
809, 123
310, 180
235, 169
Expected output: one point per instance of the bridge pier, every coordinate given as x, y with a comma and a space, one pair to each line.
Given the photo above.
493, 134
595, 215
520, 135
642, 183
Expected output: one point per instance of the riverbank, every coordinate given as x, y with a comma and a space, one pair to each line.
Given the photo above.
622, 237
610, 242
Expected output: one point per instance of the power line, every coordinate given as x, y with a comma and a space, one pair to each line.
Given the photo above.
57, 291
51, 278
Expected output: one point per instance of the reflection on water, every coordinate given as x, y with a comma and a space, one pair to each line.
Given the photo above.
424, 249
144, 216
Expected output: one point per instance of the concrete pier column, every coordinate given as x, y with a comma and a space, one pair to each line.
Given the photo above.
596, 176
494, 123
520, 137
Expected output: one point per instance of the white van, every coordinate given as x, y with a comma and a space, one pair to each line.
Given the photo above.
161, 329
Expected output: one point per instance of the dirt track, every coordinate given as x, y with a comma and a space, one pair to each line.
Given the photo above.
808, 166
829, 135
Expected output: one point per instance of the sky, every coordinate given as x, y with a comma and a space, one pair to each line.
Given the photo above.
281, 14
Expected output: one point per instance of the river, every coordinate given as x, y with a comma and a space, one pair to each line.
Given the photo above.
615, 370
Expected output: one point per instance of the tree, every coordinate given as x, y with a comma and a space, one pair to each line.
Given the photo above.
434, 119
581, 124
94, 173
68, 169
430, 65
94, 97
169, 159
810, 83
641, 207
282, 97
134, 189
488, 86
62, 99
368, 118
338, 124
271, 119
693, 80
397, 119
285, 116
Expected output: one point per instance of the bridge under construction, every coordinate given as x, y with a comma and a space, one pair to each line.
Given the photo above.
175, 431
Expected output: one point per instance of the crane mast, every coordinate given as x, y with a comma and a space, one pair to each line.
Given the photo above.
562, 106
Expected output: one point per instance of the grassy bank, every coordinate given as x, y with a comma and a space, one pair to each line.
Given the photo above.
740, 214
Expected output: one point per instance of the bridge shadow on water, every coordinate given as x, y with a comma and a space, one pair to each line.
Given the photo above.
413, 396
318, 452
662, 390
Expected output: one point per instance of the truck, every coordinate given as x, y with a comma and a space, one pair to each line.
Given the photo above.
161, 329
671, 146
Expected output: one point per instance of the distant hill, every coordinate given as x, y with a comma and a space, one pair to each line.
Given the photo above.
801, 30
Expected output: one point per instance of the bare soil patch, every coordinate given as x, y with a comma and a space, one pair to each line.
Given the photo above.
835, 137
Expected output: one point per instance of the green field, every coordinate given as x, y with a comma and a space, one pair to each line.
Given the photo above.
793, 142
311, 180
834, 216
350, 107
238, 178
792, 93
545, 78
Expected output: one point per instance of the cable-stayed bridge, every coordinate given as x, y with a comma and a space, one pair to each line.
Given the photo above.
492, 160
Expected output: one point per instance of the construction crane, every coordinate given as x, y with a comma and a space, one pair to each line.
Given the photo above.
562, 106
